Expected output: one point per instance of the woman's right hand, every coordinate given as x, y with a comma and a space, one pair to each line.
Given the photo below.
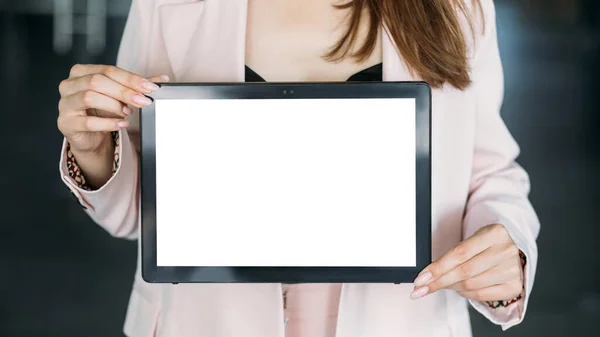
94, 101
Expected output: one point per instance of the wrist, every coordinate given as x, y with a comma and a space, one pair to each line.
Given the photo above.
92, 168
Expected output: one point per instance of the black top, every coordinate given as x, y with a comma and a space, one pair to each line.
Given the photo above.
371, 74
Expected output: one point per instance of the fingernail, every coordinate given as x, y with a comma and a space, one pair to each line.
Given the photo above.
142, 100
165, 78
423, 278
123, 124
149, 85
419, 293
127, 110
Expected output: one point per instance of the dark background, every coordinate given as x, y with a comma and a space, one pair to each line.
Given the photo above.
61, 275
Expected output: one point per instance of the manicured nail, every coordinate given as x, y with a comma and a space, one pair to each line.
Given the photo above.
423, 278
127, 110
165, 78
419, 293
142, 100
149, 85
123, 124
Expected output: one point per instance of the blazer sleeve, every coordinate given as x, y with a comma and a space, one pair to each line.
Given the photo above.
115, 206
499, 187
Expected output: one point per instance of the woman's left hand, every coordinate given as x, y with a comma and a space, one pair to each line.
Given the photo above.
484, 267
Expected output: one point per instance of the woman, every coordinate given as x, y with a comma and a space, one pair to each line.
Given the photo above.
483, 226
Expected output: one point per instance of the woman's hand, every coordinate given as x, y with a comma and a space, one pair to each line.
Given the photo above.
484, 267
94, 101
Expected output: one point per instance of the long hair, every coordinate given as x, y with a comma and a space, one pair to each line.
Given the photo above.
427, 33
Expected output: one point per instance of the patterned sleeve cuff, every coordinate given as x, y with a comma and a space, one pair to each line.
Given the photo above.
75, 171
500, 304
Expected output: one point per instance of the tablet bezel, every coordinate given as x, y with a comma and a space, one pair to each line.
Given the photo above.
152, 273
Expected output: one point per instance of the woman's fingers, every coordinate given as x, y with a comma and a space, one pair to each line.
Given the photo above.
159, 79
124, 77
105, 89
500, 274
483, 239
79, 102
95, 124
461, 274
501, 292
76, 124
480, 263
104, 85
460, 254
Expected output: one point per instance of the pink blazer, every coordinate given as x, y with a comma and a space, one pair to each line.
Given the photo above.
475, 182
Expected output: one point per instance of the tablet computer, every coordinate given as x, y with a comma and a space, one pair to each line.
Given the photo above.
286, 182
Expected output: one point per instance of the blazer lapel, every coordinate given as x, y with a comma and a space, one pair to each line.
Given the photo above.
205, 39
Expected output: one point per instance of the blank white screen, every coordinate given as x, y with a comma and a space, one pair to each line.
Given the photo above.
303, 182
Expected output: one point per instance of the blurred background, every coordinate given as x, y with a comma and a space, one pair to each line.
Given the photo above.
61, 275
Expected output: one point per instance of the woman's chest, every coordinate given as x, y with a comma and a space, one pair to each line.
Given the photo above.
291, 40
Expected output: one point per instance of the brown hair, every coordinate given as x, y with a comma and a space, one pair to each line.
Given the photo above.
427, 34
